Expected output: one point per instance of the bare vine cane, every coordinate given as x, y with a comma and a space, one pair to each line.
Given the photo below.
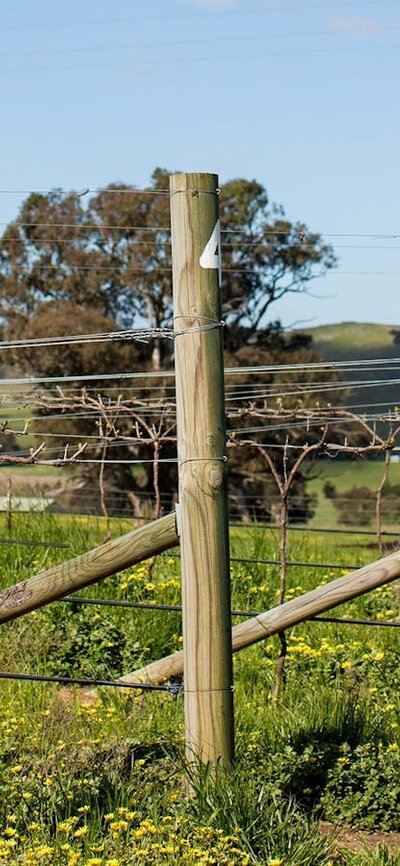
284, 482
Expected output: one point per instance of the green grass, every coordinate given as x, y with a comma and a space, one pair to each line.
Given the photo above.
104, 782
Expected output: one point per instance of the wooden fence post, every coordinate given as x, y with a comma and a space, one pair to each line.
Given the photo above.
203, 512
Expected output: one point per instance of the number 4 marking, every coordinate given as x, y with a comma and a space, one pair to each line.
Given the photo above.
211, 255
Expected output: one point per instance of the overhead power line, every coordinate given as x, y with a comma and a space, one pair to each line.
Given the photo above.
265, 37
270, 55
215, 12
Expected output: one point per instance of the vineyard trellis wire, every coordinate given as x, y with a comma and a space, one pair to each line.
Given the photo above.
302, 418
251, 420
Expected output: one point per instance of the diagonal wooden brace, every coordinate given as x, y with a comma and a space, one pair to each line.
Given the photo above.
285, 616
96, 564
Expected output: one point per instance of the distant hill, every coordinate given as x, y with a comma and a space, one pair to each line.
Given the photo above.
348, 341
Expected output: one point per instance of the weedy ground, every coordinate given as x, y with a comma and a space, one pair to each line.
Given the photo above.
98, 778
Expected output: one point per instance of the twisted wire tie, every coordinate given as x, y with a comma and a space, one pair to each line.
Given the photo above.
223, 459
216, 191
210, 325
166, 333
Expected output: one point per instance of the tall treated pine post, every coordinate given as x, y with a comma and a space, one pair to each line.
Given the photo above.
203, 512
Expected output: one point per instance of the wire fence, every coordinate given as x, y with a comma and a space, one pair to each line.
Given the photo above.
286, 414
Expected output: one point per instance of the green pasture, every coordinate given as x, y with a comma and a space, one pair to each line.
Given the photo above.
97, 776
344, 474
354, 340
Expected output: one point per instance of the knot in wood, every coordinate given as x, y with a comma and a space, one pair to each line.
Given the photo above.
216, 476
15, 595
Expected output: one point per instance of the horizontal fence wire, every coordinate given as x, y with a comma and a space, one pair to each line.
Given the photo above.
117, 494
86, 191
177, 608
327, 366
225, 245
141, 335
292, 562
272, 232
81, 681
108, 602
90, 226
250, 272
118, 514
346, 621
34, 543
311, 529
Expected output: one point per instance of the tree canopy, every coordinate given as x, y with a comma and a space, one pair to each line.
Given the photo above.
111, 253
73, 264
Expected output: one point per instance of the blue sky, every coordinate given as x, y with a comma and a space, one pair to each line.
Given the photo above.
302, 95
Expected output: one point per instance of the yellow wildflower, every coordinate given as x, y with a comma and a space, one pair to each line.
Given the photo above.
80, 832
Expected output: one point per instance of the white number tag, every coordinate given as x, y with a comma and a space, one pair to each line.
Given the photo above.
211, 255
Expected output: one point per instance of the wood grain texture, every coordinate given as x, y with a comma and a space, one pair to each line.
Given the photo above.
285, 616
203, 510
88, 568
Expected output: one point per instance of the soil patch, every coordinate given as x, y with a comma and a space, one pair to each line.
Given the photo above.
351, 839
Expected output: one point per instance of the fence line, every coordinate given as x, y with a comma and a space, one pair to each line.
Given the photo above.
215, 644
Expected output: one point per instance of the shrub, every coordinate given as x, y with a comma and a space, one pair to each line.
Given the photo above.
363, 787
356, 506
